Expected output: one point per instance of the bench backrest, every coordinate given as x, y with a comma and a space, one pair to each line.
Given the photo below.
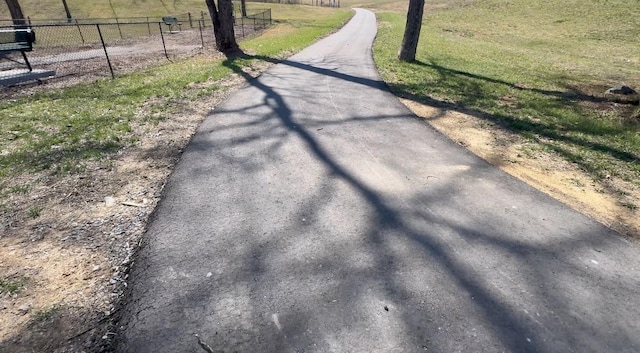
16, 39
170, 20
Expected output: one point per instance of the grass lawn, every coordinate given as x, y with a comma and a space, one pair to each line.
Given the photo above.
65, 152
535, 68
53, 9
57, 130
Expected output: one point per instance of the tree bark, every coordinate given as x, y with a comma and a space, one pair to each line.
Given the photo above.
243, 8
412, 31
222, 19
16, 12
66, 9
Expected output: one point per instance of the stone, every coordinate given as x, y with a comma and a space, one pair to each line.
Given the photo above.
625, 90
24, 308
109, 201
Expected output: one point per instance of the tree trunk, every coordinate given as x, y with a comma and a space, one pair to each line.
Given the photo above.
66, 9
223, 26
243, 8
16, 12
412, 31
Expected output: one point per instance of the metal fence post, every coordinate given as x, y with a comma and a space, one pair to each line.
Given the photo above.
148, 26
105, 51
80, 31
190, 20
162, 36
201, 37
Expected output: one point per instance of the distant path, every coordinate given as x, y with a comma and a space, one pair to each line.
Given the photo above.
312, 212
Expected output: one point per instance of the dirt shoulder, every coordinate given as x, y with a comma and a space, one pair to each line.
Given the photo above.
545, 171
67, 242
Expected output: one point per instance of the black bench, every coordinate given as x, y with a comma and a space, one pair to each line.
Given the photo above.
17, 39
171, 22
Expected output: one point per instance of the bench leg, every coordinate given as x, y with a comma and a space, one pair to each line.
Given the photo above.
24, 55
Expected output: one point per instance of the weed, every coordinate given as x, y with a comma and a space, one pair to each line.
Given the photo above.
34, 212
46, 314
20, 189
11, 286
630, 205
577, 182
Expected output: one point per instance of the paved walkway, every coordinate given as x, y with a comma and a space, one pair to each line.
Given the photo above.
312, 212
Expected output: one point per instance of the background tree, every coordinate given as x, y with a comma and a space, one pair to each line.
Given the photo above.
222, 19
66, 9
16, 12
412, 31
243, 8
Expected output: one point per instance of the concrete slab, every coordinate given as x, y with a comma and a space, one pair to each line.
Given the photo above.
15, 76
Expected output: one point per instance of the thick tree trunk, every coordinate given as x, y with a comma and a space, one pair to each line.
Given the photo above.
243, 8
412, 31
222, 19
16, 12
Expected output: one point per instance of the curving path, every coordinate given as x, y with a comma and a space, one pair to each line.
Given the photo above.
312, 212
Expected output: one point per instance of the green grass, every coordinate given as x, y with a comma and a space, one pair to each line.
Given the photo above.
297, 27
46, 313
86, 32
53, 9
11, 286
536, 68
61, 36
58, 129
58, 132
80, 9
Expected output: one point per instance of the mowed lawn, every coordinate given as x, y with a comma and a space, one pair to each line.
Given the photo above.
54, 132
535, 68
54, 9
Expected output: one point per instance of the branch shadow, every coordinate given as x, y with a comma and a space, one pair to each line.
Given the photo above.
582, 135
292, 260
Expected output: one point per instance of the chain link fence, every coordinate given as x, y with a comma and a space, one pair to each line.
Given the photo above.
325, 3
90, 48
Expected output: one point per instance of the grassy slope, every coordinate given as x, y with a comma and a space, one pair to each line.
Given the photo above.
47, 9
57, 130
530, 66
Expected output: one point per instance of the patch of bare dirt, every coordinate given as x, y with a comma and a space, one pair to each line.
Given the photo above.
547, 172
67, 241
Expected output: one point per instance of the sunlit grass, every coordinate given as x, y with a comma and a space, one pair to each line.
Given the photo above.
532, 67
296, 27
57, 131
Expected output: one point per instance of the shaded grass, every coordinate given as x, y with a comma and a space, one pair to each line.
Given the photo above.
536, 68
46, 314
58, 131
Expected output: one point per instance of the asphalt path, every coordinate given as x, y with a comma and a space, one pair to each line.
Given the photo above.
312, 212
